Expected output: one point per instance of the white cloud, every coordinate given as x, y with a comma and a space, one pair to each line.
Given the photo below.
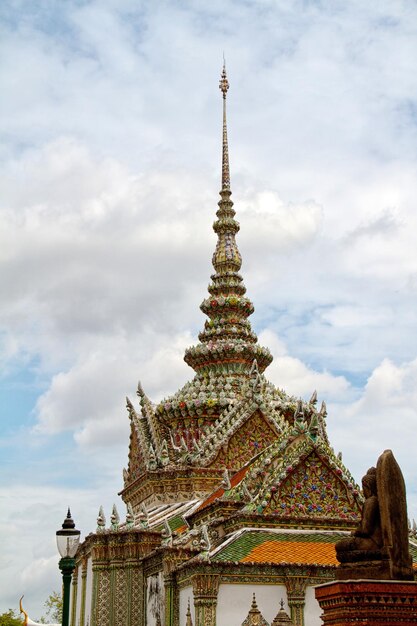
384, 417
295, 377
89, 399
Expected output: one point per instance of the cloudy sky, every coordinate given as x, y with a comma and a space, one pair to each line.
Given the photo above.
110, 121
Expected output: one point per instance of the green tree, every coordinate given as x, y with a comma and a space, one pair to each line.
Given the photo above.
53, 605
10, 619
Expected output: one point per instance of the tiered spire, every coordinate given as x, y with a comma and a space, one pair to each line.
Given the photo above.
255, 617
228, 344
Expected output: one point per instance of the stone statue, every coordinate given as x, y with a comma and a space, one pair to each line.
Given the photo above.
378, 548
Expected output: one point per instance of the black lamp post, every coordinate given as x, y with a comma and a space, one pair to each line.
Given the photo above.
67, 540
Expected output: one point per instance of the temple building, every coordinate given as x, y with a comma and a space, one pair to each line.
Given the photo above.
234, 495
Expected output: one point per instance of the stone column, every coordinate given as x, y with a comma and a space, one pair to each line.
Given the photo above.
169, 584
100, 608
119, 594
74, 595
83, 590
205, 590
136, 594
296, 593
102, 588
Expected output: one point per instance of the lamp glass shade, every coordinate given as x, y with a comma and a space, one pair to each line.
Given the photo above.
67, 542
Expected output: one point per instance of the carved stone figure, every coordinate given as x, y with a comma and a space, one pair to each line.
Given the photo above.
378, 548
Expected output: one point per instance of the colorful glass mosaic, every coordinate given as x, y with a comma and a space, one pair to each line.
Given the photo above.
312, 490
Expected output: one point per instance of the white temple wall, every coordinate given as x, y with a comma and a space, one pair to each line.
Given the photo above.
312, 610
185, 594
88, 591
155, 600
234, 602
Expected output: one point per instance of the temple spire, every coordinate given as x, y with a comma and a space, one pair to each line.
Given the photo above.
227, 344
224, 86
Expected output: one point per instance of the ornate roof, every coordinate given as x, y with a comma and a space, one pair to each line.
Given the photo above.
309, 547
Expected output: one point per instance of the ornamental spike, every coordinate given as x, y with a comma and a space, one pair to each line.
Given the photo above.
226, 484
166, 531
314, 426
164, 454
205, 543
130, 518
196, 446
313, 399
246, 493
114, 519
101, 521
143, 517
175, 447
140, 391
130, 407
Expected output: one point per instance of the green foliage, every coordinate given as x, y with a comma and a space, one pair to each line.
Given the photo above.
10, 619
53, 606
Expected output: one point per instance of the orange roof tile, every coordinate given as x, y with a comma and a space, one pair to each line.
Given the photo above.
235, 480
292, 552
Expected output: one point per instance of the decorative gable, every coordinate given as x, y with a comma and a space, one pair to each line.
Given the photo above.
312, 489
301, 478
254, 436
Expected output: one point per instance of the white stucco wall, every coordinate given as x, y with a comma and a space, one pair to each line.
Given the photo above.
155, 600
234, 602
88, 591
312, 610
185, 594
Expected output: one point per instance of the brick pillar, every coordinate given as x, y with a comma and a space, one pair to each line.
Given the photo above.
205, 590
373, 602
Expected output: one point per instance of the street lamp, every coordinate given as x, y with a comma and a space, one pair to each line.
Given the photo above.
67, 540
